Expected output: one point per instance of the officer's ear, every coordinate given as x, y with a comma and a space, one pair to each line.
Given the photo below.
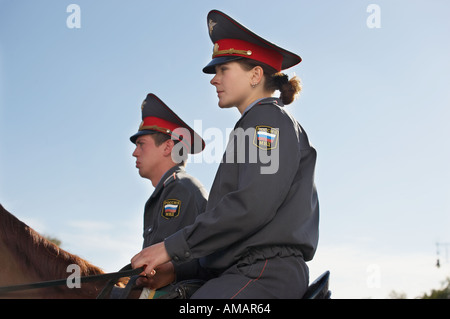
168, 146
257, 74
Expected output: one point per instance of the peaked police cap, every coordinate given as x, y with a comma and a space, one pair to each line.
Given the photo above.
158, 117
233, 41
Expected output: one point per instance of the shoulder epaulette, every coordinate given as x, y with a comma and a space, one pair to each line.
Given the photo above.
170, 179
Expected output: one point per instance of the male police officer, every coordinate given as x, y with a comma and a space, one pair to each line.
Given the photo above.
162, 144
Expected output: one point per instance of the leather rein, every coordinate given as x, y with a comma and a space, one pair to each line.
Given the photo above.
126, 271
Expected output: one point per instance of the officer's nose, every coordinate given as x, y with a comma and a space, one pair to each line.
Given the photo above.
135, 152
214, 80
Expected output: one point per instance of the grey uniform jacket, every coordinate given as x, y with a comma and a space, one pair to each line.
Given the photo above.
175, 203
268, 200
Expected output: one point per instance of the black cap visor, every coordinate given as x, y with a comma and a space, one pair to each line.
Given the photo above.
211, 67
140, 133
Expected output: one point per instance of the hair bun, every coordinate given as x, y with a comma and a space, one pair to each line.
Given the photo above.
280, 79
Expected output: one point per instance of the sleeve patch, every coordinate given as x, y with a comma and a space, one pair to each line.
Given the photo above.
171, 208
266, 137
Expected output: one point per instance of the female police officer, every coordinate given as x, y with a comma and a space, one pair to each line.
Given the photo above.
261, 221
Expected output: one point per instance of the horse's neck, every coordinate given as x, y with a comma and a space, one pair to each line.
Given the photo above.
11, 273
32, 253
26, 256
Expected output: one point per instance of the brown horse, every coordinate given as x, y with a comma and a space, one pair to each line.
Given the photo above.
27, 257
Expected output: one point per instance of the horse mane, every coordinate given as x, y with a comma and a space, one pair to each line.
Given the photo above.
36, 254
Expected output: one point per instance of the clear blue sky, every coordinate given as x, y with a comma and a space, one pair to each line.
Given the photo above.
375, 104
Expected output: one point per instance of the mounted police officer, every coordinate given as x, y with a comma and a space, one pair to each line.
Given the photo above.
261, 223
162, 144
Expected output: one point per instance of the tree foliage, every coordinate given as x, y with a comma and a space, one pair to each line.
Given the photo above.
54, 240
443, 293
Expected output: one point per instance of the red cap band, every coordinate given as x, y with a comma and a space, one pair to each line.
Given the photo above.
157, 124
235, 47
166, 127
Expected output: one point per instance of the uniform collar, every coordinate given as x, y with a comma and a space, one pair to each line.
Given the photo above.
252, 105
168, 177
266, 100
